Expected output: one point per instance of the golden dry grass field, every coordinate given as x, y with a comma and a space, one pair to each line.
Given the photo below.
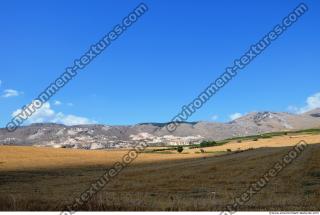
34, 178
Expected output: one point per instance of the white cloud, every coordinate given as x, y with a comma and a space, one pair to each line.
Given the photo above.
312, 102
70, 104
235, 116
0, 83
214, 117
10, 93
293, 109
57, 103
46, 114
73, 120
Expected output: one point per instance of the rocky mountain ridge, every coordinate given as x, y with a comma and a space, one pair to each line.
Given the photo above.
104, 136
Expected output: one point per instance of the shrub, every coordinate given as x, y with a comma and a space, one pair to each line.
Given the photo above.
207, 144
229, 150
255, 139
239, 141
179, 149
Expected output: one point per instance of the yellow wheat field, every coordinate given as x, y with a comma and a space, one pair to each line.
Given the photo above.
34, 178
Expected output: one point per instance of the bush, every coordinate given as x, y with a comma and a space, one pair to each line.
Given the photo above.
255, 139
239, 141
179, 149
229, 150
207, 144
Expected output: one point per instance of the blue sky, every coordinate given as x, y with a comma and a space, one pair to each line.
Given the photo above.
161, 63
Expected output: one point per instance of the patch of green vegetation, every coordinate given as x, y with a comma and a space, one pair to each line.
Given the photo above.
210, 152
222, 142
205, 144
306, 131
252, 137
311, 131
275, 134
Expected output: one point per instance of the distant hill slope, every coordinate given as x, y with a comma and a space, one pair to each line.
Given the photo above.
103, 136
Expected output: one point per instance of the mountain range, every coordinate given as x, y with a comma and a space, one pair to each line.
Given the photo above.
105, 136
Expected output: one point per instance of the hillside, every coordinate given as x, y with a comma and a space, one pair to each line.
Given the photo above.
156, 134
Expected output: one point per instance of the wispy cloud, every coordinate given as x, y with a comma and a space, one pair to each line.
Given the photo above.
10, 93
70, 104
312, 102
57, 103
0, 83
46, 114
235, 116
214, 117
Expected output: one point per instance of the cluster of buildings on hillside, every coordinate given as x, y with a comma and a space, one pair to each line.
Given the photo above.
167, 139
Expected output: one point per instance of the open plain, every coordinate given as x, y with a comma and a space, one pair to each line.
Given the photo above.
39, 178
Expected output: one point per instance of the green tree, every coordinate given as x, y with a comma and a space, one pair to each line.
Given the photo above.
207, 144
179, 149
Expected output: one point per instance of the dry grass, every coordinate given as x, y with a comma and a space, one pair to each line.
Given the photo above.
47, 179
